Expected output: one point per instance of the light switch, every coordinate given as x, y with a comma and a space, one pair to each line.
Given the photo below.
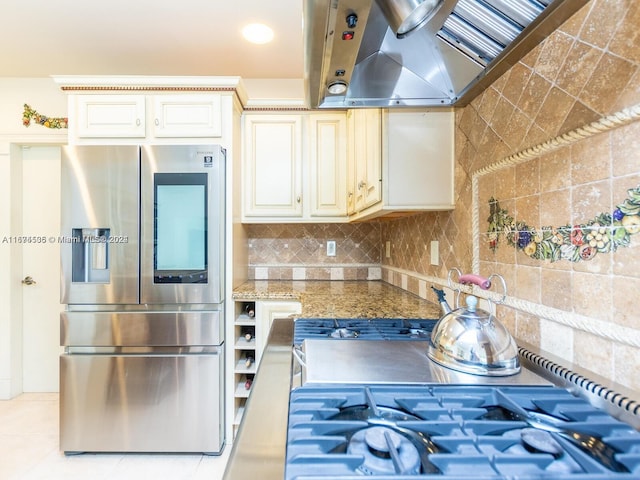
387, 249
435, 254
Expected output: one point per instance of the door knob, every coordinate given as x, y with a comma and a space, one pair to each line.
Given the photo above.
28, 281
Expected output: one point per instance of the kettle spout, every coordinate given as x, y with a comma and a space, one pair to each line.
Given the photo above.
442, 300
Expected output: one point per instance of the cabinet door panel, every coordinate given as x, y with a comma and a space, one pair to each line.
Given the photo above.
328, 165
266, 312
366, 159
105, 116
187, 116
422, 143
273, 159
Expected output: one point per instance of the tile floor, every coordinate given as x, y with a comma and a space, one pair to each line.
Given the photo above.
29, 446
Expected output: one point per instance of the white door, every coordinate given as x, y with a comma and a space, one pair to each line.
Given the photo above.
41, 261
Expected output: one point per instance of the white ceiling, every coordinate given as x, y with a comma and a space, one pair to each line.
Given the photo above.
148, 37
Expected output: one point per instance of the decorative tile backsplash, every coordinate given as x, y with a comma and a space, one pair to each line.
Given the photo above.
604, 233
299, 252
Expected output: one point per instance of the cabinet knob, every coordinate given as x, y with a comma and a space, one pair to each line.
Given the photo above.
362, 184
138, 122
298, 199
157, 122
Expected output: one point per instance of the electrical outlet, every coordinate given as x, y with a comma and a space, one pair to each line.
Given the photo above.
387, 249
331, 248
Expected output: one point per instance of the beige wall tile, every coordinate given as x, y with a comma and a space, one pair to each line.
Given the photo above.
593, 353
609, 79
552, 54
578, 67
534, 95
627, 366
535, 136
579, 116
625, 301
574, 24
625, 150
591, 295
507, 317
556, 286
630, 95
527, 284
591, 160
518, 78
528, 178
519, 123
528, 328
554, 111
528, 210
603, 21
502, 115
555, 337
589, 200
488, 104
625, 41
555, 208
505, 183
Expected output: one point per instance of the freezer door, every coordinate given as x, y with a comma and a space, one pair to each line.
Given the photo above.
142, 403
99, 225
182, 229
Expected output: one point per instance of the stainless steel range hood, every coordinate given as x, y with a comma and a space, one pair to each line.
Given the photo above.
354, 59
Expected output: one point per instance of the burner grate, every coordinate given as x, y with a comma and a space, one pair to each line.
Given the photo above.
457, 432
362, 329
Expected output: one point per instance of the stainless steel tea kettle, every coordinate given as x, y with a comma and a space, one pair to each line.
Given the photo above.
472, 340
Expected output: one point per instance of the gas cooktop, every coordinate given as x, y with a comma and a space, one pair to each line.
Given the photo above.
363, 329
454, 432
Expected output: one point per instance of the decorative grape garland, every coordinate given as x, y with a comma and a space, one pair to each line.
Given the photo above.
49, 122
604, 233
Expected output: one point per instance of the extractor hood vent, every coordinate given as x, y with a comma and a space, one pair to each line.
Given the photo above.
483, 30
461, 50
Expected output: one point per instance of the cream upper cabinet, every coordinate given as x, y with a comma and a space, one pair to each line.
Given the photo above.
187, 116
272, 173
295, 167
365, 161
346, 166
114, 116
105, 116
417, 169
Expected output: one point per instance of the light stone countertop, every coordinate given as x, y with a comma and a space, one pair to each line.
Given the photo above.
341, 299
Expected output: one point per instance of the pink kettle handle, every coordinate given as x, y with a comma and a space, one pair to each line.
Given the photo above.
482, 282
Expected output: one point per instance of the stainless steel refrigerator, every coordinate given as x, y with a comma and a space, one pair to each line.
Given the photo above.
143, 283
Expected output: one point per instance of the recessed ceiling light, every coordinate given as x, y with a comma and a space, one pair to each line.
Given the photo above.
257, 33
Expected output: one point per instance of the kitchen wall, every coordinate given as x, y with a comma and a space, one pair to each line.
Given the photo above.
584, 310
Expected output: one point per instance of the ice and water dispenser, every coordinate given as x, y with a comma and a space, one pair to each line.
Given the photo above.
90, 255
